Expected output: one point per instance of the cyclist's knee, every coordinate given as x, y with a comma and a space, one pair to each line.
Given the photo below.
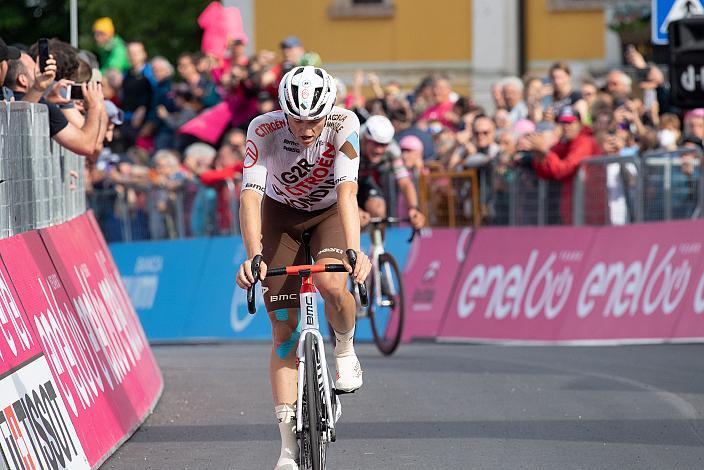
285, 331
333, 289
376, 207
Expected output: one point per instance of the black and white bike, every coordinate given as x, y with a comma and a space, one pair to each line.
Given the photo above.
319, 407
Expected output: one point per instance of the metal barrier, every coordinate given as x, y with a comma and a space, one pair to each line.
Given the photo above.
443, 198
131, 211
233, 190
616, 190
41, 183
674, 184
608, 190
517, 196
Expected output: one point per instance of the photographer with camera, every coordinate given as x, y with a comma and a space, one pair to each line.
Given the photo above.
25, 79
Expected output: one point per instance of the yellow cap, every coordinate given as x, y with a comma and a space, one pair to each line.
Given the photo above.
104, 25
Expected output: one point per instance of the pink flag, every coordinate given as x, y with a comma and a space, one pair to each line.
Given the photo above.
220, 25
210, 124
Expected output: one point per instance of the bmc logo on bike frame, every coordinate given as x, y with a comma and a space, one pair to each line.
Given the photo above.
309, 311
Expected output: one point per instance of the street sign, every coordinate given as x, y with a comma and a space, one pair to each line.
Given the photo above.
666, 11
686, 62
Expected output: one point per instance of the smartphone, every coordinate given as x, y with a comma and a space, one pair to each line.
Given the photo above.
75, 92
43, 47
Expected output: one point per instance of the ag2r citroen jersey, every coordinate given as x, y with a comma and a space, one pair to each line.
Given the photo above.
303, 178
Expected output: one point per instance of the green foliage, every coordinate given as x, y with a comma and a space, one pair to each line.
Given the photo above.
167, 27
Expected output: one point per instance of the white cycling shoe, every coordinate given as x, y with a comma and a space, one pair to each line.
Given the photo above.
349, 373
286, 464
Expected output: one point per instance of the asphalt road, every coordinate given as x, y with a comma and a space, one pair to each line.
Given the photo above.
435, 406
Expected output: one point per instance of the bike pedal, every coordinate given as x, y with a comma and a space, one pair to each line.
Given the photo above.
342, 392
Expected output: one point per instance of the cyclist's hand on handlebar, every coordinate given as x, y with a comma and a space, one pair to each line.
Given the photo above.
417, 218
364, 217
245, 278
361, 268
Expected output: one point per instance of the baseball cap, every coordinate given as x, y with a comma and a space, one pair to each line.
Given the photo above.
290, 41
8, 52
524, 126
568, 114
199, 149
411, 142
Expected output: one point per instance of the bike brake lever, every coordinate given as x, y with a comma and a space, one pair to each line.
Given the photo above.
361, 288
251, 305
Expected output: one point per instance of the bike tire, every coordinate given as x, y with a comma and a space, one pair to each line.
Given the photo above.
314, 418
387, 323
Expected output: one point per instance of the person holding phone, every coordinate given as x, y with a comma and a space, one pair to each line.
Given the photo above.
6, 53
23, 78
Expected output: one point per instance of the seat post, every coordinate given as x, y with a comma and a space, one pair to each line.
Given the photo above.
306, 245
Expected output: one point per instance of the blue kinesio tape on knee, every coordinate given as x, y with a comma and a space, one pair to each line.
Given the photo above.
287, 346
281, 314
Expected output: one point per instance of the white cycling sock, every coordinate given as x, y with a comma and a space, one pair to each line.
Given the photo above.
344, 345
286, 415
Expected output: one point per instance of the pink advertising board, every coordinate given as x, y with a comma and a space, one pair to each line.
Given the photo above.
35, 422
18, 343
98, 355
634, 283
433, 261
639, 283
516, 283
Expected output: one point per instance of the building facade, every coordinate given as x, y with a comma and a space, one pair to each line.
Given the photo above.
474, 41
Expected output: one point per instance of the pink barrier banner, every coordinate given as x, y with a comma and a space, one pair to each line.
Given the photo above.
609, 284
433, 261
94, 344
516, 283
18, 343
640, 284
35, 424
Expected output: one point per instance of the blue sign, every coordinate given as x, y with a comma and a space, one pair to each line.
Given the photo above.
186, 290
667, 11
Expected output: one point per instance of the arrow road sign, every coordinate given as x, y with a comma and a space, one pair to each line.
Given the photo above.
667, 11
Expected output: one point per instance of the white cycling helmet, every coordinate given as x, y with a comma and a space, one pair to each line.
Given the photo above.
307, 93
379, 129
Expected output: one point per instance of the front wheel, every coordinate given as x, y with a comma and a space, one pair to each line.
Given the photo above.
386, 309
313, 445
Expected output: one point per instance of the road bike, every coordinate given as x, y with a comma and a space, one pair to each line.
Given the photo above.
318, 406
385, 286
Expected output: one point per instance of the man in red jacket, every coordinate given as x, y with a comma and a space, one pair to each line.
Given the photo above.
562, 160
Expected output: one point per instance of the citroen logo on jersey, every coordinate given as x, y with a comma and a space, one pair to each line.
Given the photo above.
251, 154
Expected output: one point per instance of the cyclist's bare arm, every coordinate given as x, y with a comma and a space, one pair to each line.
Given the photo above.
349, 211
251, 226
408, 190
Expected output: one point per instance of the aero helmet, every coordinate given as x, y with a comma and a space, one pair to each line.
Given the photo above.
307, 93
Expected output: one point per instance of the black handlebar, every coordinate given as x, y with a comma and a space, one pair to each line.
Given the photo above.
361, 288
329, 268
394, 220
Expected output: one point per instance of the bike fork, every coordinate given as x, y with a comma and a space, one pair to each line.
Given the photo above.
310, 326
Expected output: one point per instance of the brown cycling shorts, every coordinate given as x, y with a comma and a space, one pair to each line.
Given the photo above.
282, 229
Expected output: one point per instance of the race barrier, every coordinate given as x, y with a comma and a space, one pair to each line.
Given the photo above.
596, 285
77, 375
184, 290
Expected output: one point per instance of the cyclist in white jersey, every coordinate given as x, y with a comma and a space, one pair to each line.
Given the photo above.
300, 174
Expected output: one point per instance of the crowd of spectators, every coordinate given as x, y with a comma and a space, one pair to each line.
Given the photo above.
165, 142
